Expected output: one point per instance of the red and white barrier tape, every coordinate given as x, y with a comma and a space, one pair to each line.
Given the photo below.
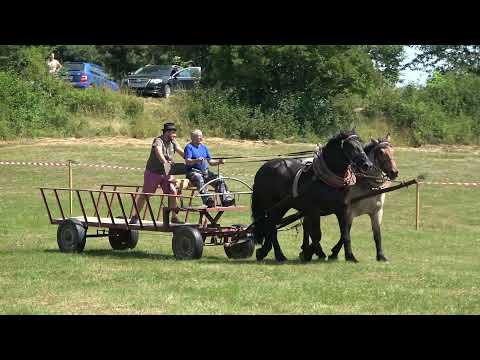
43, 163
450, 183
111, 167
63, 164
31, 163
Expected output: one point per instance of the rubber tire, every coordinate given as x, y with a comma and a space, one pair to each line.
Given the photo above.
122, 239
243, 250
71, 236
167, 91
187, 243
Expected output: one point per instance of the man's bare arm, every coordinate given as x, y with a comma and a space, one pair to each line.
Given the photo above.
193, 161
216, 162
160, 156
181, 152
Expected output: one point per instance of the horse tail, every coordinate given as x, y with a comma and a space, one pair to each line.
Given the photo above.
258, 214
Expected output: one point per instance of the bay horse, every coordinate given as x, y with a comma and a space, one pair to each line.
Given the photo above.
381, 153
317, 195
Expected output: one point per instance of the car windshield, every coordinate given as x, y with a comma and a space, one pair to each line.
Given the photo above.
154, 70
74, 66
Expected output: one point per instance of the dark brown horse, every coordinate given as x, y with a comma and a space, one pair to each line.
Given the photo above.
381, 153
272, 193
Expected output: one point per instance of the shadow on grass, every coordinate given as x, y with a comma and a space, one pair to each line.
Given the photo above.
121, 254
252, 261
205, 259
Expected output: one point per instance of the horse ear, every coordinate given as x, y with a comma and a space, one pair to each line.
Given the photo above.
374, 141
388, 137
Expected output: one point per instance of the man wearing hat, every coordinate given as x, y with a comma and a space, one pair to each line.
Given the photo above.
158, 169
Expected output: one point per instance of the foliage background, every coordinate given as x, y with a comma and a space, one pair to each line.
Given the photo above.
287, 92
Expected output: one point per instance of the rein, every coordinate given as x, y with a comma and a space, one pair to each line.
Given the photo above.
378, 179
322, 172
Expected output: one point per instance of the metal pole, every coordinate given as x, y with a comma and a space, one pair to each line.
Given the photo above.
70, 181
417, 212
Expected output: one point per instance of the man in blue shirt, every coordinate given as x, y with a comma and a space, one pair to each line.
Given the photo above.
197, 159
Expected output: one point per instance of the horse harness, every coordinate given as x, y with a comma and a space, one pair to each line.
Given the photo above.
376, 179
323, 173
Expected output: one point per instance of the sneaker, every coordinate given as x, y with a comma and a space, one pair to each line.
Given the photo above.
133, 220
210, 203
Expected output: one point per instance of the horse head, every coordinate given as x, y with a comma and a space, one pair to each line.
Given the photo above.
350, 148
381, 153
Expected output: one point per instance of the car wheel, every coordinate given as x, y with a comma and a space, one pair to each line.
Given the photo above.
167, 91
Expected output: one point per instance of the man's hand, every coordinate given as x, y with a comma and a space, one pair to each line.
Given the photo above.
200, 160
221, 161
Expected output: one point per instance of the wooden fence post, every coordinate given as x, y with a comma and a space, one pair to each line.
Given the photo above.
417, 212
70, 182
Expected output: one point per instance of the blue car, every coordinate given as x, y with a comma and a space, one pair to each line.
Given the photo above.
85, 75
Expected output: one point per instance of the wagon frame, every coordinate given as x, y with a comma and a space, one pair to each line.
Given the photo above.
188, 237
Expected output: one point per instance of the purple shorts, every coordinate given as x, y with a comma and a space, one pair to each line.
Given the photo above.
152, 180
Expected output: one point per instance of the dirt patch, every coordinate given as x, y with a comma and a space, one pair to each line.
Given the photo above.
119, 140
78, 141
471, 149
213, 141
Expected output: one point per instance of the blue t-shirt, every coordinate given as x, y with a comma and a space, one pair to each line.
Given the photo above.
194, 152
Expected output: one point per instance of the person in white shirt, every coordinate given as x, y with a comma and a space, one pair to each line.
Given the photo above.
53, 64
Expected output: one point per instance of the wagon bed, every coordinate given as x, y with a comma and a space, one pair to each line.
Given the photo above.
110, 211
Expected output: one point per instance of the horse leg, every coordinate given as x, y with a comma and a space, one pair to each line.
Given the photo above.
276, 247
266, 247
338, 246
274, 217
376, 220
307, 251
316, 235
345, 223
335, 250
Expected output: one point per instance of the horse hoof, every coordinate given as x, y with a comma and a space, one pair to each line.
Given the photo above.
332, 258
281, 258
322, 256
260, 255
381, 258
351, 259
305, 257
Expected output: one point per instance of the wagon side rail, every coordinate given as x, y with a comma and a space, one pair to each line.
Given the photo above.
193, 194
95, 201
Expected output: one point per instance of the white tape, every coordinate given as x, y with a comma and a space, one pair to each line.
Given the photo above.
117, 167
451, 183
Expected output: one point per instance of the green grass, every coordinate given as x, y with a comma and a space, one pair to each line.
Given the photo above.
431, 271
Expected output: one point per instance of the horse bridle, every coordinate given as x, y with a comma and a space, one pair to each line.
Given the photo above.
381, 145
354, 159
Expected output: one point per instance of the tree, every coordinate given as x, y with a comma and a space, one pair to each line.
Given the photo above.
387, 59
459, 58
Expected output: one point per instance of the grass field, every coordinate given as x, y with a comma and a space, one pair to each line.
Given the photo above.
435, 270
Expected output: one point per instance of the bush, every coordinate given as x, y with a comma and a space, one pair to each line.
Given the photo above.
295, 115
445, 111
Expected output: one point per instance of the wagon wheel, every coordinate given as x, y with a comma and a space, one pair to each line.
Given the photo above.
187, 243
71, 236
223, 178
242, 249
122, 239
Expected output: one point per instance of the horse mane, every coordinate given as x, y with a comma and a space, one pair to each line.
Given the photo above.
344, 134
369, 147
